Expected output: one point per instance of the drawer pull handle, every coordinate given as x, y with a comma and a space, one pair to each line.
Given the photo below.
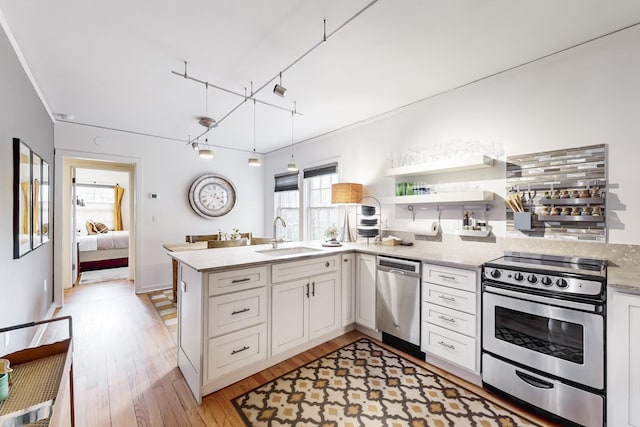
445, 277
313, 289
446, 298
448, 319
531, 380
326, 264
444, 344
244, 310
244, 279
246, 347
346, 260
307, 290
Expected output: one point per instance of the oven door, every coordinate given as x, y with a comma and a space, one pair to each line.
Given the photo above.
527, 329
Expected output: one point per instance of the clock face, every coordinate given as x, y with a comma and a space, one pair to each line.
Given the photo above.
212, 196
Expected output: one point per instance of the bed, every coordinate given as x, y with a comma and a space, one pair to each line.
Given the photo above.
104, 250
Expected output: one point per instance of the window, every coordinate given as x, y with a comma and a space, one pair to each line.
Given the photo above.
94, 202
286, 201
320, 214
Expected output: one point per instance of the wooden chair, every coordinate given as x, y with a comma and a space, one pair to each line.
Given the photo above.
261, 240
227, 243
192, 238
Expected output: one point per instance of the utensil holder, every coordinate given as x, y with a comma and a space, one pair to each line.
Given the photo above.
522, 221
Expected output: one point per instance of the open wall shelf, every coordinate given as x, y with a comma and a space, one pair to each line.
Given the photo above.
454, 165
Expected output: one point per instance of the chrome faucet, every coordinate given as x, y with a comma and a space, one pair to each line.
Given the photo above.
274, 241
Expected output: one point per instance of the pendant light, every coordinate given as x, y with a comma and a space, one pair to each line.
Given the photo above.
254, 161
206, 121
293, 167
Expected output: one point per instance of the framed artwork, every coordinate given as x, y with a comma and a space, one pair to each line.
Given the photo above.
31, 188
36, 214
22, 219
44, 202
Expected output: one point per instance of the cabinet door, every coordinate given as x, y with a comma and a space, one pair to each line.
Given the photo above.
348, 289
289, 308
324, 305
366, 290
623, 354
190, 326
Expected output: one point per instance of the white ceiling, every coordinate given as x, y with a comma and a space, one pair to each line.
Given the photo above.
109, 63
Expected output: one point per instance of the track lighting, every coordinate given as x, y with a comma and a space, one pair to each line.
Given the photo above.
278, 89
195, 146
207, 121
293, 167
254, 161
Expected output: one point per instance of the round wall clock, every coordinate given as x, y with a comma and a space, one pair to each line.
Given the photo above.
211, 196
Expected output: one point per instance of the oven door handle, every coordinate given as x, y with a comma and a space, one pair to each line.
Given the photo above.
531, 380
541, 299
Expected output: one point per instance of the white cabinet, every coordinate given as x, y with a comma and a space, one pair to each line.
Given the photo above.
222, 325
623, 356
190, 327
366, 290
348, 288
306, 307
450, 315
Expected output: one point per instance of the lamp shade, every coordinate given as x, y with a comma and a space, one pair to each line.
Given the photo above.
346, 193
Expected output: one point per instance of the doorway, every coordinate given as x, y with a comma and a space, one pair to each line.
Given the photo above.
101, 221
94, 172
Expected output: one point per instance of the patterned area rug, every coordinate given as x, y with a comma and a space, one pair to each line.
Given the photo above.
363, 384
166, 307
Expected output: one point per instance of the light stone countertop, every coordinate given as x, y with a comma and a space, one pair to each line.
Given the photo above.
208, 260
624, 277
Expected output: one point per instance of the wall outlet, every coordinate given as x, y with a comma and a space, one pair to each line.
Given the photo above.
45, 285
7, 339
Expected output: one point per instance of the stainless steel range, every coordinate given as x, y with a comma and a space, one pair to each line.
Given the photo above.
543, 333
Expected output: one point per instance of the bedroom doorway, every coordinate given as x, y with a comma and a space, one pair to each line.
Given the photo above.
102, 222
69, 226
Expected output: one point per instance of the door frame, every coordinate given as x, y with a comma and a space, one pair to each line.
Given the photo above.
64, 161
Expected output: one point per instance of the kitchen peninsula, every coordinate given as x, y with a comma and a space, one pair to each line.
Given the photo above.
241, 310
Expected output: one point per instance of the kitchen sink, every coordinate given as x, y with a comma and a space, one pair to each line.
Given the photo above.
288, 251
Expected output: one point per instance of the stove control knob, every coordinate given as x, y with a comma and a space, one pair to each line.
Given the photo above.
495, 274
519, 277
532, 278
561, 283
546, 281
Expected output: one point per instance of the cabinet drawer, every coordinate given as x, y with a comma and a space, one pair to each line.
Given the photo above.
301, 269
449, 297
451, 346
236, 350
447, 276
228, 313
447, 318
237, 280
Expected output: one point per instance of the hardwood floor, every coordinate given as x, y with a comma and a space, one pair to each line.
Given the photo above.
125, 370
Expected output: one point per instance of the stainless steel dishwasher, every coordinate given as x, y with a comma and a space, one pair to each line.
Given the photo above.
398, 303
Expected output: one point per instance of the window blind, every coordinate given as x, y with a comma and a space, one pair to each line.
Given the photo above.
286, 182
321, 170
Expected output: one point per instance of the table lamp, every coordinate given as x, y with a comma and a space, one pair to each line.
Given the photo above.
346, 193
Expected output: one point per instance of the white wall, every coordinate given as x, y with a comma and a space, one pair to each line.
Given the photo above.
168, 169
585, 96
22, 115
